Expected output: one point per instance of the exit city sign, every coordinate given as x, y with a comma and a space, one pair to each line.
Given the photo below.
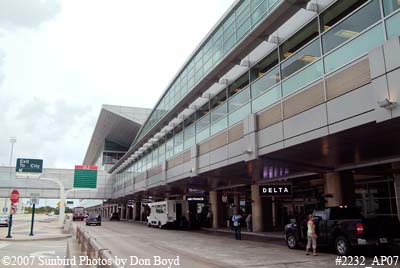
25, 165
85, 176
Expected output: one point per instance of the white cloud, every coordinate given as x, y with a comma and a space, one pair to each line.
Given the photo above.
63, 60
29, 14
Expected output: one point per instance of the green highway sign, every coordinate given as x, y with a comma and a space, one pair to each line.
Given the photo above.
29, 165
85, 176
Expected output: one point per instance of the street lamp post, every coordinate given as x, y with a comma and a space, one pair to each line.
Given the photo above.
12, 141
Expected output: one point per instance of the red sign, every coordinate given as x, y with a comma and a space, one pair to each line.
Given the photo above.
86, 167
14, 197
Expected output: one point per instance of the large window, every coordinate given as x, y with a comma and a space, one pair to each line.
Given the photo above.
390, 6
218, 106
203, 117
161, 152
349, 27
239, 84
299, 39
178, 139
169, 147
189, 131
264, 65
376, 198
296, 53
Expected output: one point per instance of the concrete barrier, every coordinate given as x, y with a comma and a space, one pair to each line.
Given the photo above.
93, 249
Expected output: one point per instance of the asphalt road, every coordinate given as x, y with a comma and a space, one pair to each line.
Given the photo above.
134, 241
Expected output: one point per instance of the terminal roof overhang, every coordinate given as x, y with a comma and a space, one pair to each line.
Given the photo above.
266, 27
118, 124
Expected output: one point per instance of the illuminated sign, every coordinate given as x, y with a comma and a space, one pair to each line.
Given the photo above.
276, 190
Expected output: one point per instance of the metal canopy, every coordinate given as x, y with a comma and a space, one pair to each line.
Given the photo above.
118, 124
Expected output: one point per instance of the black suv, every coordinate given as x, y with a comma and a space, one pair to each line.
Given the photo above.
114, 216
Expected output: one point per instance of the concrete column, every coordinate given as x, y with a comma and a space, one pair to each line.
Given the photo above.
136, 212
333, 189
397, 192
256, 209
273, 212
236, 198
214, 208
123, 211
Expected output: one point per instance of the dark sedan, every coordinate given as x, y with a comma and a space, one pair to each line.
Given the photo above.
93, 220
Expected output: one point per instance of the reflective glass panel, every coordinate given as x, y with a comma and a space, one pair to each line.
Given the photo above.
239, 99
355, 48
305, 56
266, 99
351, 26
392, 26
302, 78
390, 5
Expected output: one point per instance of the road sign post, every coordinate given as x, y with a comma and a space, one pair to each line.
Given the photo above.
10, 223
14, 198
33, 219
34, 200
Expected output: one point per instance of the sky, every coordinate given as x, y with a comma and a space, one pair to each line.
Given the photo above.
60, 60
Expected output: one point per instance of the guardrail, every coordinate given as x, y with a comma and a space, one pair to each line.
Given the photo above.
93, 249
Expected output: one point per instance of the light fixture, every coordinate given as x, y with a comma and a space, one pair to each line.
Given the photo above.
312, 6
153, 140
206, 95
347, 34
273, 39
223, 81
245, 63
147, 145
387, 104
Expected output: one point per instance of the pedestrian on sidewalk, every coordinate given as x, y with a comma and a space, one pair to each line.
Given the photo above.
249, 223
311, 236
236, 218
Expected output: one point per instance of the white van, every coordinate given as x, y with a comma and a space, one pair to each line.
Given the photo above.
166, 213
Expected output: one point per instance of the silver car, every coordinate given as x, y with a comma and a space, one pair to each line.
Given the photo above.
4, 220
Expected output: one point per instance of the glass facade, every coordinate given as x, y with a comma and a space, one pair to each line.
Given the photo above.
243, 17
376, 198
343, 32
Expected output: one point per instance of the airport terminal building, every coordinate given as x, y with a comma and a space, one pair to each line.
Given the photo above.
285, 106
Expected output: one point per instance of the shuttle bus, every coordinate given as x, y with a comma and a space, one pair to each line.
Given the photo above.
79, 214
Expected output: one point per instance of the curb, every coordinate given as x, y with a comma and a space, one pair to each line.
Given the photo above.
59, 237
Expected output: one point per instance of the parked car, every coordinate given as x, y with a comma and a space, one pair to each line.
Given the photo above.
114, 216
344, 228
4, 220
93, 220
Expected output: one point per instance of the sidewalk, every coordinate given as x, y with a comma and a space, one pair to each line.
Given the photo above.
44, 229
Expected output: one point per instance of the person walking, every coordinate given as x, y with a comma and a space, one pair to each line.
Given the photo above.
311, 236
236, 218
249, 223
